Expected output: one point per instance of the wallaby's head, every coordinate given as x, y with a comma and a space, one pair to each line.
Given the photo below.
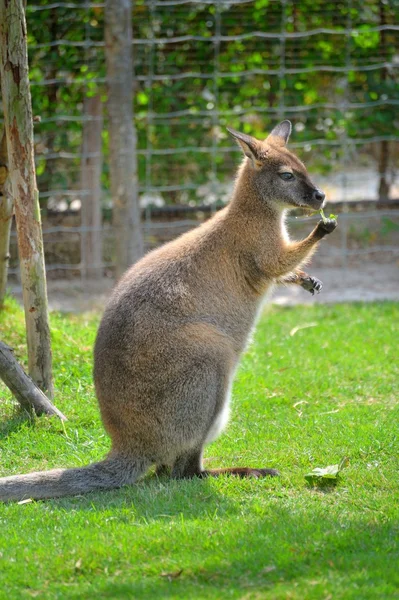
279, 176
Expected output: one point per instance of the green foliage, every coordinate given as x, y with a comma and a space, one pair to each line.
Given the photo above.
330, 390
246, 79
323, 216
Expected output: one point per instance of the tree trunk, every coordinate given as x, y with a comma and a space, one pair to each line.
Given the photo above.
91, 240
5, 219
19, 128
122, 136
26, 392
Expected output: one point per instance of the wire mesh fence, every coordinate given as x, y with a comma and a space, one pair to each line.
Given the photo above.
330, 67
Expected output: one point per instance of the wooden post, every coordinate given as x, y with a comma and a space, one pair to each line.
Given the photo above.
5, 219
91, 240
383, 161
383, 164
19, 129
122, 136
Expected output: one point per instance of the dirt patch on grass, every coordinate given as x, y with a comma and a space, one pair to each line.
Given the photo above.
368, 283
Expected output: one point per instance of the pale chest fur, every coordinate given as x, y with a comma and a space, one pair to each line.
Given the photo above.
285, 237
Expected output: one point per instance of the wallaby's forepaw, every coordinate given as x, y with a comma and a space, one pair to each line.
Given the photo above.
326, 227
312, 285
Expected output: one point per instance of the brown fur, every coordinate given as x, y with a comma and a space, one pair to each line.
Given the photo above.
178, 321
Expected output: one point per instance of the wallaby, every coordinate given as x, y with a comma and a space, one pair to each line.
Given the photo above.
178, 321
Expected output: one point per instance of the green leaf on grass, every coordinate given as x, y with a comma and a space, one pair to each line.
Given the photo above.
327, 474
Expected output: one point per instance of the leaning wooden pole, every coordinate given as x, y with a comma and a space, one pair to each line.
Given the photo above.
24, 389
19, 129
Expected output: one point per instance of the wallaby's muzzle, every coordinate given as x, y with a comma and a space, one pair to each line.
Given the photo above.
315, 199
318, 198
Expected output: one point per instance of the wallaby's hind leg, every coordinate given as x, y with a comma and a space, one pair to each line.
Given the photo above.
188, 465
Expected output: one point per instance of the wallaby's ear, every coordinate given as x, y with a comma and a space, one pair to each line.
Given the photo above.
249, 145
280, 134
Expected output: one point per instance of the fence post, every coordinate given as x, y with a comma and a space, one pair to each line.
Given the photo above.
91, 238
122, 136
19, 129
5, 218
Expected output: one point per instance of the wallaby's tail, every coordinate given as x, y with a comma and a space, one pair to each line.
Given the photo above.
113, 472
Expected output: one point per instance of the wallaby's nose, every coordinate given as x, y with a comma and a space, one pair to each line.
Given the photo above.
318, 195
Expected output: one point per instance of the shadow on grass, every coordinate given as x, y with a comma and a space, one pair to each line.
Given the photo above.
155, 499
309, 548
20, 418
280, 556
313, 550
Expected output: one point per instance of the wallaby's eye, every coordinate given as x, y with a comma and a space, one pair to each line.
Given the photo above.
287, 176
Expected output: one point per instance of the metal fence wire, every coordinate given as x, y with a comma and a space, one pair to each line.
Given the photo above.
329, 67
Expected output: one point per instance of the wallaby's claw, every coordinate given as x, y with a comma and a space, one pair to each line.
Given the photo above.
327, 226
312, 285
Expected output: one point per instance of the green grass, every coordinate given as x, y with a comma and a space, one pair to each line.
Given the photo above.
300, 401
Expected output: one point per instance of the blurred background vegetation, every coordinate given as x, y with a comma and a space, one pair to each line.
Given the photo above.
199, 66
331, 67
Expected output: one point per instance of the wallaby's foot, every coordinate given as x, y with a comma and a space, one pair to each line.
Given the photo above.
326, 227
311, 284
241, 472
190, 465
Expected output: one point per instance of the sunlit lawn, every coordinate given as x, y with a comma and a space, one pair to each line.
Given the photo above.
300, 401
